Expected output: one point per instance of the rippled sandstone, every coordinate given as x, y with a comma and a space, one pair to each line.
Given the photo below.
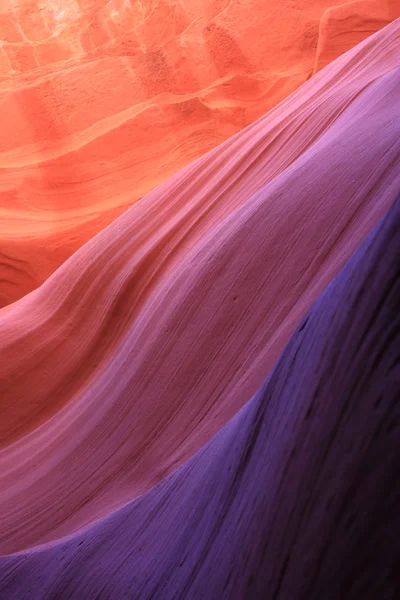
101, 101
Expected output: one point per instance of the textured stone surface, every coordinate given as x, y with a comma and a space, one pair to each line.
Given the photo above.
101, 101
296, 497
202, 401
151, 337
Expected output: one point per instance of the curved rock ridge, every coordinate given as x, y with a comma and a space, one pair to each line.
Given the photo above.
147, 340
345, 25
102, 100
295, 498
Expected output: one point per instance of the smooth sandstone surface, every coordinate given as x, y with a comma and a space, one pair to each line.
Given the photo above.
101, 101
141, 346
295, 498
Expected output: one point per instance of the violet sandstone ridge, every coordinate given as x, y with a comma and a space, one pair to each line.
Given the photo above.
200, 300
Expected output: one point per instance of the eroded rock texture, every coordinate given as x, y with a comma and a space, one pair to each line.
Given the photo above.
296, 497
101, 101
151, 337
199, 380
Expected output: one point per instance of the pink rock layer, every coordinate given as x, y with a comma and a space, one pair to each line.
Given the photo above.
141, 346
101, 101
295, 498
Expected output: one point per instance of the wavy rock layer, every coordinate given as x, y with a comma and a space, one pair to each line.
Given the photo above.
101, 101
149, 338
296, 497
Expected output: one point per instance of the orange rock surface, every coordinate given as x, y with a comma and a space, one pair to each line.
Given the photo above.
101, 101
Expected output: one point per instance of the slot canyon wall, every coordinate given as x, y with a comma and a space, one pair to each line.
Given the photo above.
101, 101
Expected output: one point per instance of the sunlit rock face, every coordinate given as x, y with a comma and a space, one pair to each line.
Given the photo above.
101, 101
